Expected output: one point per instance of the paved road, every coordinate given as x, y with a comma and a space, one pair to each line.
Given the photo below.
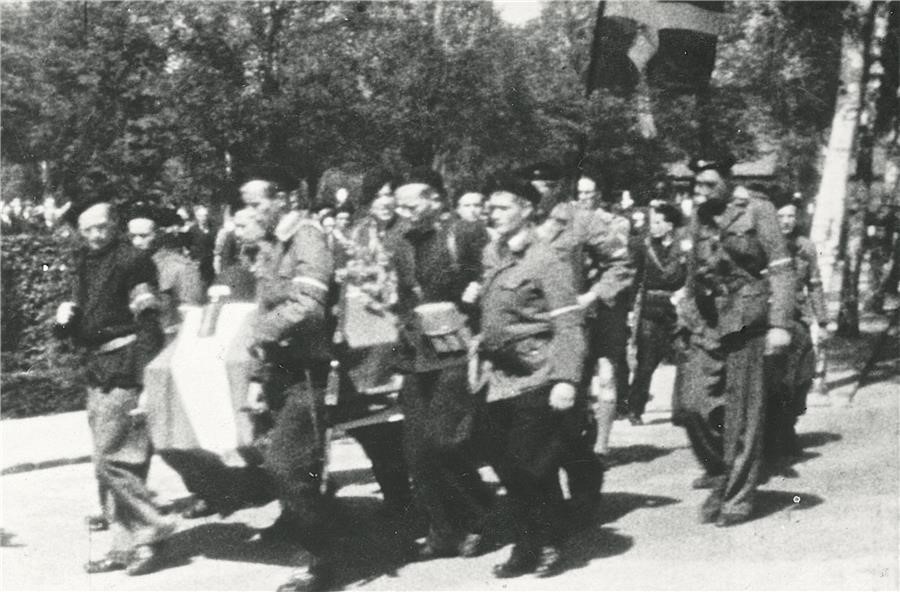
832, 526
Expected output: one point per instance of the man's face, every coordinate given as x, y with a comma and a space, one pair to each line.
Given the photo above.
201, 214
787, 219
659, 226
470, 207
384, 206
247, 229
414, 200
509, 213
587, 193
142, 231
95, 226
342, 220
267, 209
709, 184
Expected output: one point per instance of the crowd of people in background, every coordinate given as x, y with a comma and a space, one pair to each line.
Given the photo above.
511, 311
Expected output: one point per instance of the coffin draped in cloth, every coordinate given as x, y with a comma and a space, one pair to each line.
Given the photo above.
194, 389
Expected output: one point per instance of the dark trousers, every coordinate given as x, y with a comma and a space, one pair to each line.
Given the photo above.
294, 459
439, 419
654, 344
383, 444
725, 418
524, 441
608, 335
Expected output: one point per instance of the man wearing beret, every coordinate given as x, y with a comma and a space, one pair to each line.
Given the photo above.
736, 310
533, 350
114, 318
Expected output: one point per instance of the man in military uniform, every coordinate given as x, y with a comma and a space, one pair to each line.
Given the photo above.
533, 348
114, 317
736, 309
661, 263
436, 258
292, 343
792, 381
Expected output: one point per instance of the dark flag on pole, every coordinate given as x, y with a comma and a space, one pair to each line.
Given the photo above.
646, 43
669, 45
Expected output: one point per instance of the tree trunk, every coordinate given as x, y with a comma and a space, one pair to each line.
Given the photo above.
831, 199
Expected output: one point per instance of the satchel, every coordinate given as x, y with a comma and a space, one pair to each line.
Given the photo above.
443, 327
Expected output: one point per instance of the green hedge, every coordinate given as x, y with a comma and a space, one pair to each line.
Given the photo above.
40, 374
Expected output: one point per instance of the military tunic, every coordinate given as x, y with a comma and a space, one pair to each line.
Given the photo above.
532, 338
291, 334
739, 285
795, 373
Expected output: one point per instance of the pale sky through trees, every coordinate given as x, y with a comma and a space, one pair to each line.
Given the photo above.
518, 11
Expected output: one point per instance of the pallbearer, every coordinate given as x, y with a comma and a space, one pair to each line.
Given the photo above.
533, 349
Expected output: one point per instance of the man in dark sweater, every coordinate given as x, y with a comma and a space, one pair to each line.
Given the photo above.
661, 262
436, 259
114, 318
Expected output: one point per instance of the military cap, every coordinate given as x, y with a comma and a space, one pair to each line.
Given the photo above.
781, 198
718, 162
541, 171
672, 214
512, 183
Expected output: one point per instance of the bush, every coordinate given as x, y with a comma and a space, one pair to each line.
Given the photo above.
39, 373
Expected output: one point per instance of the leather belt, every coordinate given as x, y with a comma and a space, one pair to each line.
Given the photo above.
117, 343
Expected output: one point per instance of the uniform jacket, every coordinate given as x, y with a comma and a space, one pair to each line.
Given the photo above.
808, 288
532, 328
179, 283
115, 295
595, 244
740, 275
294, 274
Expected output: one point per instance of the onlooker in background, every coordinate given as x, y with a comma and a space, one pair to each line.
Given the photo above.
470, 206
201, 244
661, 269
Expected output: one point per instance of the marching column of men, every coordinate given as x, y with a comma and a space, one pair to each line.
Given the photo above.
511, 342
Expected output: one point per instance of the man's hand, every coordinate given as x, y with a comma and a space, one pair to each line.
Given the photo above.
255, 401
562, 396
64, 313
472, 293
777, 339
586, 299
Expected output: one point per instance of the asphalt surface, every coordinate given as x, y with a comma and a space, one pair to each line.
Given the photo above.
832, 524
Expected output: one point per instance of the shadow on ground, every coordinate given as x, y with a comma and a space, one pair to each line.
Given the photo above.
636, 453
772, 502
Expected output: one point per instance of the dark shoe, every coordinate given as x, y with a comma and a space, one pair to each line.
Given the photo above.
97, 523
199, 509
145, 559
731, 519
705, 481
709, 511
519, 563
470, 545
620, 415
105, 565
550, 562
280, 531
318, 576
635, 419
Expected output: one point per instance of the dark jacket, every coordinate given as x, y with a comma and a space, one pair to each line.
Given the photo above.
740, 276
115, 295
811, 308
435, 259
532, 329
661, 270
